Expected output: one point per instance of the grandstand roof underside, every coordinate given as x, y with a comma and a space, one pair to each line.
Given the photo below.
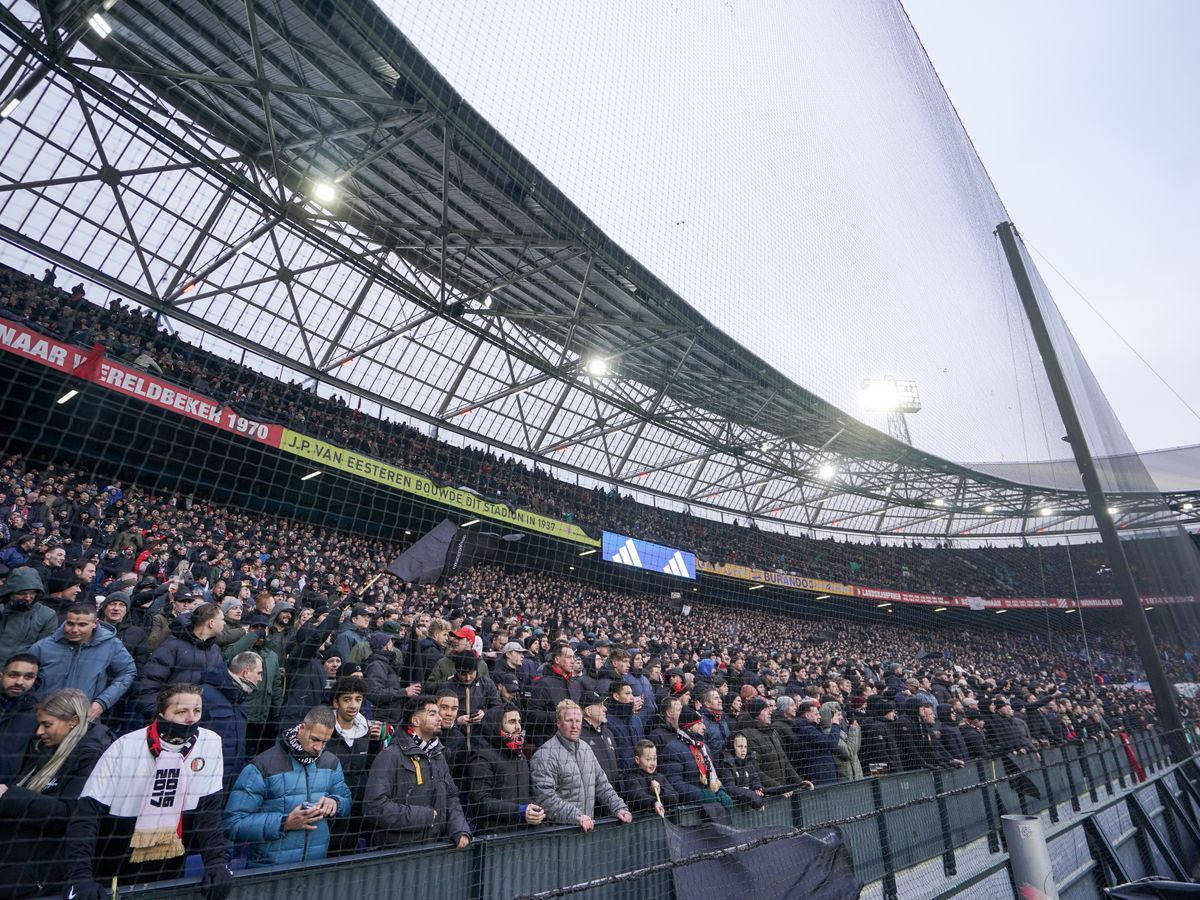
174, 162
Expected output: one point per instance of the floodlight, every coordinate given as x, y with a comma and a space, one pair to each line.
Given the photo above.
890, 396
940, 609
827, 471
67, 397
310, 475
11, 105
100, 25
471, 522
597, 367
757, 587
989, 508
324, 192
1186, 507
1047, 511
1112, 510
588, 552
938, 501
487, 302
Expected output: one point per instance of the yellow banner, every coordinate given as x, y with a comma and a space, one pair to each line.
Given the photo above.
364, 467
779, 579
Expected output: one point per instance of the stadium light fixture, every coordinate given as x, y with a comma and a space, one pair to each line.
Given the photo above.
588, 552
100, 25
1186, 507
597, 367
470, 523
989, 508
822, 597
883, 605
938, 501
827, 472
324, 192
1001, 612
570, 568
311, 475
1047, 511
1112, 510
407, 532
487, 301
940, 609
890, 396
757, 587
67, 397
1069, 611
13, 102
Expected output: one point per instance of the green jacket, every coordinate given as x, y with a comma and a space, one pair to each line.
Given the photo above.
265, 702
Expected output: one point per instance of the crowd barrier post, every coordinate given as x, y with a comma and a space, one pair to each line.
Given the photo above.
993, 838
1089, 777
1051, 804
885, 843
949, 864
1100, 751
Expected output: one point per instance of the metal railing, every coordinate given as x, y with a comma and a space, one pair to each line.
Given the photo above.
934, 834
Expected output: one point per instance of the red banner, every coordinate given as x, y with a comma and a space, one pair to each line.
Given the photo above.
113, 375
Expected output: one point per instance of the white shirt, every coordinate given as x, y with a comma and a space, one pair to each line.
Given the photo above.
124, 775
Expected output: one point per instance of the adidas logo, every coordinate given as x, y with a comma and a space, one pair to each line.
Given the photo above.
677, 566
628, 555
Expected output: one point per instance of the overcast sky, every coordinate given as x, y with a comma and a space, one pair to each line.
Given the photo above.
792, 170
1085, 115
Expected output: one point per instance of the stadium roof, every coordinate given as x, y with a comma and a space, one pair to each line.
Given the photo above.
178, 160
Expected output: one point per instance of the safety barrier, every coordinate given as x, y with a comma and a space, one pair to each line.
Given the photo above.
921, 834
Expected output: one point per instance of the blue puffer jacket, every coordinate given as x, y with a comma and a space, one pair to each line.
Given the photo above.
102, 669
270, 787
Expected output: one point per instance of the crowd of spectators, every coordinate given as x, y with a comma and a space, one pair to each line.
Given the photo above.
182, 678
136, 336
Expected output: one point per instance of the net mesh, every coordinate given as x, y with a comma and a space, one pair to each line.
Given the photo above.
310, 527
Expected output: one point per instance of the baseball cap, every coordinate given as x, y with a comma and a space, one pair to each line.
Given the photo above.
507, 680
591, 698
465, 632
513, 647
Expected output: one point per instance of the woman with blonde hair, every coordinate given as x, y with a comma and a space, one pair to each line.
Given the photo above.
35, 809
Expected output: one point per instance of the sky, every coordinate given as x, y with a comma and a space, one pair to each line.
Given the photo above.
1084, 114
788, 169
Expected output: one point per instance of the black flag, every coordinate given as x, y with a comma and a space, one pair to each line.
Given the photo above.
425, 560
446, 550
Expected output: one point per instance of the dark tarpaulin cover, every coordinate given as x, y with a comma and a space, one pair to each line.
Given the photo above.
815, 865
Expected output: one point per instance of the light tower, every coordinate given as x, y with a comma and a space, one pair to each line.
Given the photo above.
895, 397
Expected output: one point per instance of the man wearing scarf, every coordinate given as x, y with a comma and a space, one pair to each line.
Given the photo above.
410, 796
498, 785
282, 799
555, 684
153, 795
687, 764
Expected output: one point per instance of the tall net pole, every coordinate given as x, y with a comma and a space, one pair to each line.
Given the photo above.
1164, 695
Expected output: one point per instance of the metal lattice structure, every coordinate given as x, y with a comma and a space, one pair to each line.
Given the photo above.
176, 160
